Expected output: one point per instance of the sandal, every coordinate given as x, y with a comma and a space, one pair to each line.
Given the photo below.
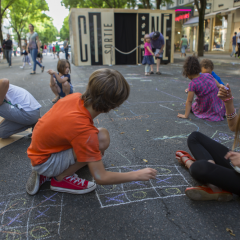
55, 99
146, 73
43, 68
185, 154
151, 72
202, 193
158, 73
33, 73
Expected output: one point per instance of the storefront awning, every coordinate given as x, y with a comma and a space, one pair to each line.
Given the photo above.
192, 21
230, 9
212, 14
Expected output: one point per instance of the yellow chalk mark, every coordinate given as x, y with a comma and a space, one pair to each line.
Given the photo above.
173, 191
140, 194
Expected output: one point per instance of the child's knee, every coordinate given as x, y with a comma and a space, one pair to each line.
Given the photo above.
66, 86
104, 139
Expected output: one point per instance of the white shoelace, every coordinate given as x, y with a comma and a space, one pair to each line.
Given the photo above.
76, 179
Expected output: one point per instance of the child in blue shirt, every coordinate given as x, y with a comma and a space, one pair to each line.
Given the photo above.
207, 67
60, 83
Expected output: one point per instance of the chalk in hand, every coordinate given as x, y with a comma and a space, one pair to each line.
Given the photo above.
226, 88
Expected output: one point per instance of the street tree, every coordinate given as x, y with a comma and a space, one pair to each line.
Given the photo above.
23, 12
4, 4
64, 31
201, 7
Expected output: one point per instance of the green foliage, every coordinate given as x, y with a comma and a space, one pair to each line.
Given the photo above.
113, 3
64, 32
23, 12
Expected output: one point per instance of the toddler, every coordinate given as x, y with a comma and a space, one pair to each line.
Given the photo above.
25, 57
148, 55
207, 106
60, 82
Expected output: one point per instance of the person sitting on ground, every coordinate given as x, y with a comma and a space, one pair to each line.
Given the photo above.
18, 107
60, 82
207, 67
207, 105
59, 150
214, 164
157, 42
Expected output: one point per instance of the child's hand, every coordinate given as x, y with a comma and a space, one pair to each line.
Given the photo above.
224, 93
146, 174
50, 71
234, 157
181, 116
186, 90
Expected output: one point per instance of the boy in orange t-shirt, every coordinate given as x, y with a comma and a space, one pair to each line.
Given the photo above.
65, 139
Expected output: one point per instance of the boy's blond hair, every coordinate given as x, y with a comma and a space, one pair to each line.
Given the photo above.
106, 90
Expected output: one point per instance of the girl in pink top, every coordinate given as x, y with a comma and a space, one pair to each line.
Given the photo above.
148, 55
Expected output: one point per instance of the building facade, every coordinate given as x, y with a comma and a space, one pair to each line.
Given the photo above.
222, 19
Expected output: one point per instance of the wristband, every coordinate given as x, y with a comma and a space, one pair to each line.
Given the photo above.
228, 99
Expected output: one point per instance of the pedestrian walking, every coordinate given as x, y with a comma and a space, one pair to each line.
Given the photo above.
183, 44
7, 46
238, 43
234, 43
57, 50
34, 47
65, 46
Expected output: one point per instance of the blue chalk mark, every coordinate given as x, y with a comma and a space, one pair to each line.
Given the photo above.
163, 180
49, 198
41, 213
172, 95
14, 219
115, 198
208, 124
133, 113
138, 183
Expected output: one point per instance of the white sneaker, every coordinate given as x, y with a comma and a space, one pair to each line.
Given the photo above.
21, 67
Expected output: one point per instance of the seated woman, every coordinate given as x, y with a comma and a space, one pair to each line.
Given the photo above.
207, 105
214, 164
18, 107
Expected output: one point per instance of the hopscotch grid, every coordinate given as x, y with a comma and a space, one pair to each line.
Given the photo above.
139, 189
30, 214
140, 200
60, 215
182, 175
19, 209
146, 188
30, 225
123, 190
154, 188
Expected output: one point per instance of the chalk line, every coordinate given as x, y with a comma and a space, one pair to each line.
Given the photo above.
123, 156
182, 175
166, 107
172, 95
60, 215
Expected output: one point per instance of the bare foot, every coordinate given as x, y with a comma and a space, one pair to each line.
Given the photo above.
183, 159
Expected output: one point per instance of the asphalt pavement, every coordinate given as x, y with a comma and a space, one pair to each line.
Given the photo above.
145, 132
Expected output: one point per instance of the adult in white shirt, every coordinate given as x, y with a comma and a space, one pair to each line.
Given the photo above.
238, 42
18, 107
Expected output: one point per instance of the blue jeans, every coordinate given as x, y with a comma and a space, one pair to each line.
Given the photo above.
66, 53
233, 51
34, 53
8, 55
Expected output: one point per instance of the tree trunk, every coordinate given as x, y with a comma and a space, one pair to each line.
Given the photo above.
201, 14
148, 5
158, 3
19, 41
1, 34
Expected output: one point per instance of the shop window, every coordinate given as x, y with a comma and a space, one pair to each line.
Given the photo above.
220, 33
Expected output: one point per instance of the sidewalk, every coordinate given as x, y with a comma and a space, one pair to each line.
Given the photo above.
215, 57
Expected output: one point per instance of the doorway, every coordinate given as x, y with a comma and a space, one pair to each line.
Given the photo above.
125, 37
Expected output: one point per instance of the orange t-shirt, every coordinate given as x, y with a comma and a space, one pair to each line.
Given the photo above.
68, 124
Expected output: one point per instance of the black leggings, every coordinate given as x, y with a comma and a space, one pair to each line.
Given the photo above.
238, 49
220, 174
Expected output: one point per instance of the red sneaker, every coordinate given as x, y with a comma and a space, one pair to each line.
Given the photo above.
72, 184
34, 182
201, 193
